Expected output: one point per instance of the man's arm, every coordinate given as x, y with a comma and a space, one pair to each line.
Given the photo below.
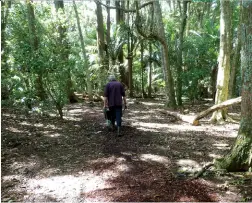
124, 101
124, 96
105, 99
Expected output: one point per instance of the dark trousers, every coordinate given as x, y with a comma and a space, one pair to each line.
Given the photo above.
116, 115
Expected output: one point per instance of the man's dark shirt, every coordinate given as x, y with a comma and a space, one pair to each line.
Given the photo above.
114, 91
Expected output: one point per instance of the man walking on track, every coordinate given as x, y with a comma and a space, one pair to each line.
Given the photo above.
113, 95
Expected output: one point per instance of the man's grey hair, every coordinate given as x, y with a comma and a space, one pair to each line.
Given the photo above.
111, 77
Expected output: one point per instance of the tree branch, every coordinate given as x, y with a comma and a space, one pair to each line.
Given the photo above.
142, 32
123, 9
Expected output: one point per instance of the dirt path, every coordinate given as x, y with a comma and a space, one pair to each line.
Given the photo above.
45, 159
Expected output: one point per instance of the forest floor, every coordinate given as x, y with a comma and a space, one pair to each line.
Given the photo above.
77, 159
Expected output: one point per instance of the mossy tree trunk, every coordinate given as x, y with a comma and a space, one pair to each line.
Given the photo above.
224, 61
240, 157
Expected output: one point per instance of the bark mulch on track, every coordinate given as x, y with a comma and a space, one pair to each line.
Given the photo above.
77, 159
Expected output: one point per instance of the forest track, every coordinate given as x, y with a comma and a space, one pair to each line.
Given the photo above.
78, 159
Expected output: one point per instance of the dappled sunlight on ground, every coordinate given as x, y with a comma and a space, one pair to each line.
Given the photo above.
188, 165
152, 104
213, 130
21, 165
14, 130
68, 187
224, 146
147, 129
49, 126
9, 115
51, 134
151, 125
70, 118
154, 158
214, 156
78, 159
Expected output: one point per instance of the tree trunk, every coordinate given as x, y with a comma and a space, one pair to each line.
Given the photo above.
130, 48
169, 84
188, 17
130, 65
150, 71
224, 61
214, 72
34, 42
108, 35
234, 67
180, 53
120, 19
235, 62
108, 23
240, 157
159, 34
142, 69
5, 6
59, 4
101, 45
85, 58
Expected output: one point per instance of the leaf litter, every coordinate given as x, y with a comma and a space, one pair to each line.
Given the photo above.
78, 159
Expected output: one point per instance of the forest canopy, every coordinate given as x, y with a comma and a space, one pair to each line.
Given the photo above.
58, 48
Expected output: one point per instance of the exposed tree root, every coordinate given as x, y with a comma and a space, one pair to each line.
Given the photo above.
202, 170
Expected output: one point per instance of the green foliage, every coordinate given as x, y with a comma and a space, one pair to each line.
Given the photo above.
19, 80
201, 55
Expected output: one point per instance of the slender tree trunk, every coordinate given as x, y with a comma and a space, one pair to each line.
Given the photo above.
240, 157
235, 62
64, 47
130, 56
214, 72
180, 53
130, 63
171, 102
107, 62
159, 34
34, 42
150, 71
188, 17
234, 67
85, 58
101, 45
150, 51
224, 61
142, 69
5, 6
119, 20
108, 23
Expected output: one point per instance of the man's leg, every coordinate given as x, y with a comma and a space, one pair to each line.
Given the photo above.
112, 116
118, 119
